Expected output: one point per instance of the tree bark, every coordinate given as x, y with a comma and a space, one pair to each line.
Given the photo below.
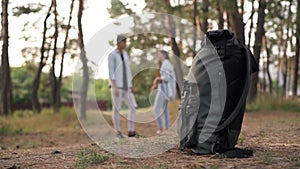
251, 24
279, 60
6, 84
36, 82
236, 20
174, 46
85, 82
268, 65
296, 66
195, 18
204, 10
257, 47
220, 16
59, 82
53, 79
285, 59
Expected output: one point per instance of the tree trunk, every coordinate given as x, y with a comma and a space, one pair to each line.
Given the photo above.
85, 82
251, 25
220, 16
53, 79
257, 47
264, 82
59, 83
228, 20
6, 84
236, 20
285, 59
279, 60
36, 82
242, 7
196, 23
268, 65
204, 10
195, 11
174, 46
296, 66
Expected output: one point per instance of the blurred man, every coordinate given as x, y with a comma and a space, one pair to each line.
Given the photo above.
121, 86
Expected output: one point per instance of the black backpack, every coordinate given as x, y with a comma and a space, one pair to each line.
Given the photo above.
213, 97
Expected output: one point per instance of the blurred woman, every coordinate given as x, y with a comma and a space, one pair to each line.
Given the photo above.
165, 76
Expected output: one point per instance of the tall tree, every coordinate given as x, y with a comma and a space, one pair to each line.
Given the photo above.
285, 49
174, 45
6, 85
236, 19
260, 31
53, 79
196, 23
43, 59
204, 13
251, 24
59, 82
267, 49
220, 14
296, 66
83, 58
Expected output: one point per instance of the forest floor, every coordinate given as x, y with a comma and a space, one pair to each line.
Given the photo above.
274, 137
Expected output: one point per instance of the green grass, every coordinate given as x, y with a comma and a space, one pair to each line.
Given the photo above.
214, 167
267, 103
268, 157
87, 157
162, 166
28, 121
241, 139
296, 162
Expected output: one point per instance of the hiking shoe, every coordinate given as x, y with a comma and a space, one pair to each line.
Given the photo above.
120, 135
131, 134
158, 132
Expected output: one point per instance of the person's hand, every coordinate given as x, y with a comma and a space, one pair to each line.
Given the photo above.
154, 86
116, 91
157, 80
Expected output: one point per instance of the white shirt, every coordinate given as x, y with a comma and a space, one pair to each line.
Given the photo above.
115, 67
167, 74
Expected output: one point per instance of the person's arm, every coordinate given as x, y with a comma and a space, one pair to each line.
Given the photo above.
165, 73
111, 70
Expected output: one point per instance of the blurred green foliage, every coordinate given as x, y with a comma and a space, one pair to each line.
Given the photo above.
269, 103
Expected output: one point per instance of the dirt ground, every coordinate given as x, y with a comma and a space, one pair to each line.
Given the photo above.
274, 137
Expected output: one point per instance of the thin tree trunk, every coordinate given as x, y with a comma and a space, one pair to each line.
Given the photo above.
53, 79
220, 16
251, 25
59, 83
204, 10
242, 7
268, 64
85, 82
257, 47
6, 84
228, 20
279, 60
174, 46
285, 59
264, 82
296, 66
195, 18
36, 82
236, 20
